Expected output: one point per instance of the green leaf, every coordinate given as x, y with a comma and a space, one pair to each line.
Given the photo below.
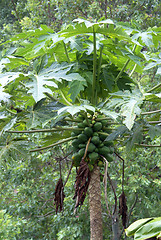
56, 72
159, 70
136, 137
9, 125
109, 113
4, 96
119, 132
55, 137
153, 97
37, 87
129, 110
149, 230
75, 88
146, 37
7, 77
154, 131
136, 225
129, 105
15, 62
76, 109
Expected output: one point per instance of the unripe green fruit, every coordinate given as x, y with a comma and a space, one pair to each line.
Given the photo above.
95, 140
95, 134
108, 143
109, 157
90, 167
82, 138
77, 132
100, 164
97, 126
91, 147
75, 143
93, 156
81, 152
82, 145
102, 137
88, 131
104, 150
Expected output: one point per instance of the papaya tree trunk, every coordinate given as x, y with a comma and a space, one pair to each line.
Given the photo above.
115, 227
95, 205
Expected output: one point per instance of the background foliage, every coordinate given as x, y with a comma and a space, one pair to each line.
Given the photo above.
28, 180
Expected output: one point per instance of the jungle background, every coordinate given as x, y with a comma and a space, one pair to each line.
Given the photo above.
28, 180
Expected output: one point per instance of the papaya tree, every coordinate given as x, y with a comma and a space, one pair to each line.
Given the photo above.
74, 87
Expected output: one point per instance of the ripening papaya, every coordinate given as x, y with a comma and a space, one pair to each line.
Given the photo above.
76, 159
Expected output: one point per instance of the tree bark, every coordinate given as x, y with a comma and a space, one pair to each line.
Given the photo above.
115, 227
95, 205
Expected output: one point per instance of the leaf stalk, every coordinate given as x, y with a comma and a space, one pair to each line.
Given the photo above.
53, 145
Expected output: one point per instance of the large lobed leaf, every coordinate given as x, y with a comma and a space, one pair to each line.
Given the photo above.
129, 104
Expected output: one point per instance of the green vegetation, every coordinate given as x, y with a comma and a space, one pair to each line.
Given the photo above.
77, 96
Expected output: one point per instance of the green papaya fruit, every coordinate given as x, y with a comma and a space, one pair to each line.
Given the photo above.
99, 116
73, 134
82, 145
104, 123
101, 145
111, 150
95, 140
97, 126
109, 157
80, 117
90, 167
100, 164
77, 132
88, 131
102, 137
85, 123
76, 159
95, 134
93, 157
108, 143
104, 150
80, 125
82, 138
75, 143
81, 152
91, 147
96, 150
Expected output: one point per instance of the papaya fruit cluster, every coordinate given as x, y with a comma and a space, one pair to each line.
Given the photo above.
90, 142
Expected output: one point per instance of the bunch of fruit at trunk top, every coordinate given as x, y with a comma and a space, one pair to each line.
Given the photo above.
90, 142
